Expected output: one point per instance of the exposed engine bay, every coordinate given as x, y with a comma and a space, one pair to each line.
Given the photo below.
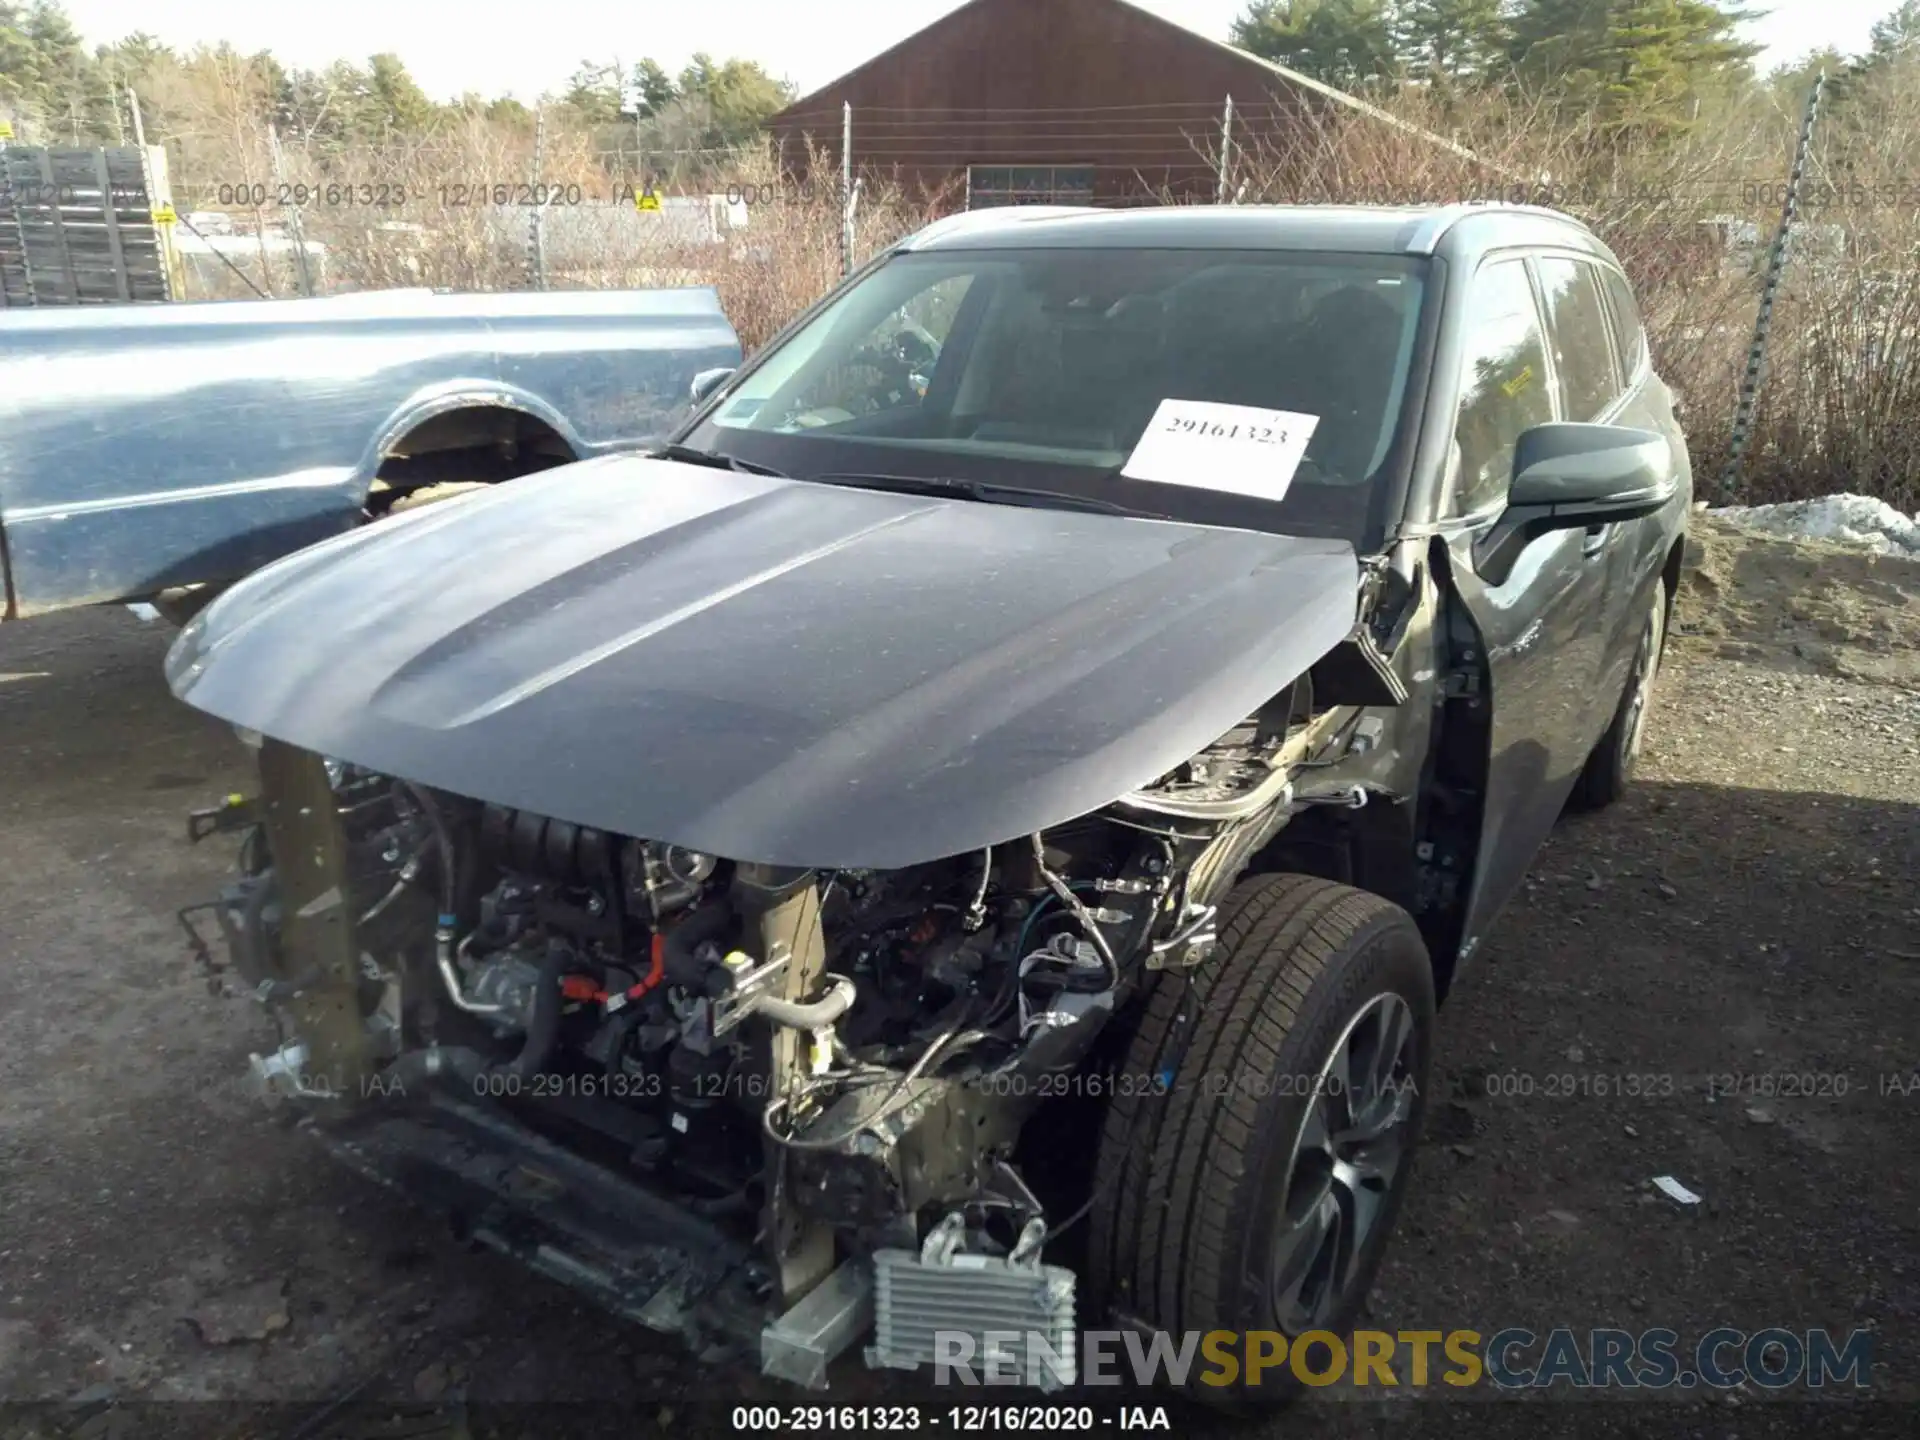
822, 1066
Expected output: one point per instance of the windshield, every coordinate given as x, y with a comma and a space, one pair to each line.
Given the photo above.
1043, 368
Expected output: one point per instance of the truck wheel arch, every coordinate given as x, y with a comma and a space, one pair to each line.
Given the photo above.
464, 436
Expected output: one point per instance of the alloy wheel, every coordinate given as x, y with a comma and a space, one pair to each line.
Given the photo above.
1351, 1146
1646, 665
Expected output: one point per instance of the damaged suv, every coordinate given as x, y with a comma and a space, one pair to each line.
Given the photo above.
970, 836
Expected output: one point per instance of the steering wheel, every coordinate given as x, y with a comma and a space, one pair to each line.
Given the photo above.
895, 383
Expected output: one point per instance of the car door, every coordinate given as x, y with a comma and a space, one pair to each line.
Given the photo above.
1539, 623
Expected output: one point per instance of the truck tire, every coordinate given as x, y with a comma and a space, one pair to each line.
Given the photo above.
1609, 769
180, 605
1236, 1186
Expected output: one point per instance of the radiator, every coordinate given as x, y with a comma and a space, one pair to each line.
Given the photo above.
1008, 1318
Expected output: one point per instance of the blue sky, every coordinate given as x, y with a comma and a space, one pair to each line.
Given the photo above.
511, 46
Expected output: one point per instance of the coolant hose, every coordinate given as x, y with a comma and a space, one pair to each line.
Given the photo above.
461, 1063
811, 1014
618, 1034
543, 1018
443, 839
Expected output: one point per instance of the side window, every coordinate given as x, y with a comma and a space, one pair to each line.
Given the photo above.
1577, 325
1630, 338
1503, 386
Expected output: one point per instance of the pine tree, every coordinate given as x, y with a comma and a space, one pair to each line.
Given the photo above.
399, 105
47, 76
1634, 63
734, 97
593, 93
1895, 34
1460, 41
1346, 43
654, 87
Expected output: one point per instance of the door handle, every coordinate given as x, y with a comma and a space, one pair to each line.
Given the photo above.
1595, 540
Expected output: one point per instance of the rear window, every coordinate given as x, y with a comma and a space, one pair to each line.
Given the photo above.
1577, 327
1629, 338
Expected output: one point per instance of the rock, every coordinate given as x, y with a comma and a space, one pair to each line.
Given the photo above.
431, 1383
1759, 1115
234, 1317
102, 1393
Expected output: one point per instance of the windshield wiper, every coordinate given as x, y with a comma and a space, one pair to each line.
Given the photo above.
713, 458
986, 490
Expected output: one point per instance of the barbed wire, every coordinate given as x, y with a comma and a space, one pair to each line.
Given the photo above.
961, 157
859, 110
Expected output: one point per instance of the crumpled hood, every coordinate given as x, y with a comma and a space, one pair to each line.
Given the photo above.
769, 670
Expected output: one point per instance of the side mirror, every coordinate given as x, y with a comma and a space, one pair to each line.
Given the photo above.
708, 381
1576, 477
1589, 474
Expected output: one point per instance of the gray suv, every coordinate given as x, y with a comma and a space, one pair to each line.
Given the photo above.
972, 835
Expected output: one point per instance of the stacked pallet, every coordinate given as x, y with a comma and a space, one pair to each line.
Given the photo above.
77, 227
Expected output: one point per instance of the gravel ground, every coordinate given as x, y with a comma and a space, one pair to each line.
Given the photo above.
1740, 940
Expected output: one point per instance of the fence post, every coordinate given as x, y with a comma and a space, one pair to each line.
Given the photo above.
537, 245
296, 231
1769, 284
157, 180
1226, 151
846, 188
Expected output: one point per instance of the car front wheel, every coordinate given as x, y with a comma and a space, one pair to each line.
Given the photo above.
1253, 1183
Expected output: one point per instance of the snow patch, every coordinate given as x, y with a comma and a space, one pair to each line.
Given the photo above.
1853, 519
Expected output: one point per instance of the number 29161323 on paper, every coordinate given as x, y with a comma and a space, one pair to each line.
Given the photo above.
1212, 446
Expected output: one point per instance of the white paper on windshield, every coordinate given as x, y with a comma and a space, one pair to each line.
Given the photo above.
1239, 449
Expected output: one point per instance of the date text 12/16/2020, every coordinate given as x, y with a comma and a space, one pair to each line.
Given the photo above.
391, 195
1041, 1419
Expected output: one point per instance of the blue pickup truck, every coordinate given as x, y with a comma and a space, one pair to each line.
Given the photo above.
156, 452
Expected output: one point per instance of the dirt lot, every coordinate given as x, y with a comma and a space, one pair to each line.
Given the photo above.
1748, 921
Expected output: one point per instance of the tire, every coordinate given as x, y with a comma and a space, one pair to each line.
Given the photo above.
1608, 772
434, 494
180, 605
1188, 1221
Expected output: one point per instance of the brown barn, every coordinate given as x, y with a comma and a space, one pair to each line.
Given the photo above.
1055, 101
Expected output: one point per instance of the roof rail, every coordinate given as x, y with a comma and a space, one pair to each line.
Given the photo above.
986, 219
1426, 238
